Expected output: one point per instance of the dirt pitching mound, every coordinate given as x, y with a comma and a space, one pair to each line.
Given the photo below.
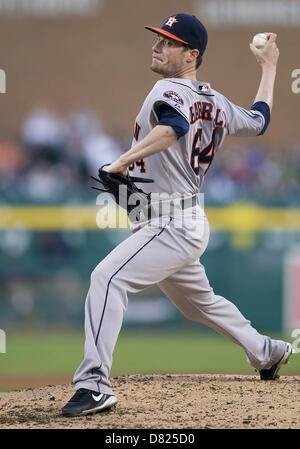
165, 402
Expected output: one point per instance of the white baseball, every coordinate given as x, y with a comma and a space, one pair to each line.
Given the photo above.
260, 40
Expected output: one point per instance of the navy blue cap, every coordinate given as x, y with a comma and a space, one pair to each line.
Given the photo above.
186, 29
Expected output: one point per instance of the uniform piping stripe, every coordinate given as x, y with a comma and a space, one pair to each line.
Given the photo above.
108, 285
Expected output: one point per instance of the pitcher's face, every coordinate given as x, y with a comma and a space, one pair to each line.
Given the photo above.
168, 56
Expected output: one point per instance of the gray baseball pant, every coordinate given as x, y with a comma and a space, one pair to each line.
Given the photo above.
168, 256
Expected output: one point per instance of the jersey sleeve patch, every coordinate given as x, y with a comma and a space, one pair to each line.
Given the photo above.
171, 95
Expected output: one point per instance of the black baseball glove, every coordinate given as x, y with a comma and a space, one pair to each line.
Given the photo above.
123, 189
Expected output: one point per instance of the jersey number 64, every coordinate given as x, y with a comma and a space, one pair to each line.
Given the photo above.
204, 156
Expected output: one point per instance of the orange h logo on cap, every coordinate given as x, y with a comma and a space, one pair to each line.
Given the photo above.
171, 21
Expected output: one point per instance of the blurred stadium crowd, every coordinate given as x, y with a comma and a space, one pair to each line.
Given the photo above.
52, 158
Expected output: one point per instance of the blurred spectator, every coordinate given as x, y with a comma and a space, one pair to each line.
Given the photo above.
53, 245
99, 149
79, 127
43, 135
220, 188
12, 164
12, 158
252, 174
45, 182
292, 173
88, 144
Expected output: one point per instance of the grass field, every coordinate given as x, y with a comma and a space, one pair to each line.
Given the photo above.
136, 352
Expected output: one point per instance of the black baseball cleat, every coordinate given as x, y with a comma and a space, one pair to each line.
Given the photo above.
272, 373
86, 401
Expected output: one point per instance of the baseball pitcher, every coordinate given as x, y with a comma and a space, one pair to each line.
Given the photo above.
177, 133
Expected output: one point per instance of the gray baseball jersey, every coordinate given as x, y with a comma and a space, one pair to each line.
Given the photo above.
181, 168
164, 254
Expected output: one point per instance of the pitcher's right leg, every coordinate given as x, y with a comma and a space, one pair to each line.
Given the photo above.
190, 291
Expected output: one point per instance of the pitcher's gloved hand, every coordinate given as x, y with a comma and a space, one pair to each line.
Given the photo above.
122, 187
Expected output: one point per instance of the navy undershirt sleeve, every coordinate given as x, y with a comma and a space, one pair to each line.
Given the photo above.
262, 107
170, 117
